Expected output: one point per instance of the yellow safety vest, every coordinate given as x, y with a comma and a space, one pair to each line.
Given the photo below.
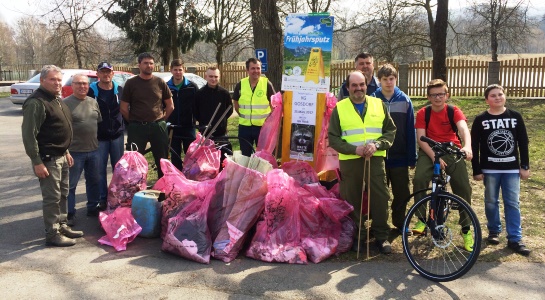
358, 132
253, 105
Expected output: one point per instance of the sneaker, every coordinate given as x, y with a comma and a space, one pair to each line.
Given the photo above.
69, 233
71, 220
468, 240
519, 248
493, 238
59, 240
419, 227
384, 246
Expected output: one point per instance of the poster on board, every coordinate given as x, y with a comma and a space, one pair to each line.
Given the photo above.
307, 52
303, 125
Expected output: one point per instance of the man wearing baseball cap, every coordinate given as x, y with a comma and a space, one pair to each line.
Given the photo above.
111, 139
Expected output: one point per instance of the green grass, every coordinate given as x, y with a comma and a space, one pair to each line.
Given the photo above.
532, 198
4, 94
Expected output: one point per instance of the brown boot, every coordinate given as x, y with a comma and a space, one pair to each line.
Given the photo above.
59, 240
69, 233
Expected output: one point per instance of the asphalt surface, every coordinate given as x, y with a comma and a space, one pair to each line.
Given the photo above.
29, 270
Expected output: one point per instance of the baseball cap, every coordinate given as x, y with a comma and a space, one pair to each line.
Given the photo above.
104, 65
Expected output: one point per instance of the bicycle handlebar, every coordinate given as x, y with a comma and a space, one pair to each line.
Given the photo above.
445, 148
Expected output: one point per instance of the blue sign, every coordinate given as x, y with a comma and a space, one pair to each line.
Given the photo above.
261, 54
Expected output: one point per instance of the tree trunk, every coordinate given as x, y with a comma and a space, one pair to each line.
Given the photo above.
173, 28
268, 35
76, 48
439, 41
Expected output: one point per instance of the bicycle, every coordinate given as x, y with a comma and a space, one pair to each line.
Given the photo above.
437, 253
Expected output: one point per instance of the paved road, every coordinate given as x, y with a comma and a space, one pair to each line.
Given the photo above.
29, 270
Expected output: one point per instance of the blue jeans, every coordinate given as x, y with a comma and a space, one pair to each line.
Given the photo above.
113, 149
88, 162
510, 189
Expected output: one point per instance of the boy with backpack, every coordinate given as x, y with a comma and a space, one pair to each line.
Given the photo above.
444, 124
402, 155
500, 143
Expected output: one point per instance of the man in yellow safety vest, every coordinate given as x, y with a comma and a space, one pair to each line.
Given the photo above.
361, 127
251, 98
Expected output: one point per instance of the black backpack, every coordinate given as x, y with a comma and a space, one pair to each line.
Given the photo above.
450, 113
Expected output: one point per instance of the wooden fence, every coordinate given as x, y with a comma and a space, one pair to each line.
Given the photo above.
519, 77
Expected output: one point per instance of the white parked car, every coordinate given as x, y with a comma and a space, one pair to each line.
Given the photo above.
21, 91
196, 79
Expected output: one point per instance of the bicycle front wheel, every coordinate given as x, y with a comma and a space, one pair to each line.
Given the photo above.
440, 246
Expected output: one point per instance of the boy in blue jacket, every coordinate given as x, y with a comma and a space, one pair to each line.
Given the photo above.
402, 155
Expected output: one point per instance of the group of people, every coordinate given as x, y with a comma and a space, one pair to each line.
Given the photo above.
79, 134
375, 121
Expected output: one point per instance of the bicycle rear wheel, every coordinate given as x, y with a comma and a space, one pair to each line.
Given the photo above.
438, 253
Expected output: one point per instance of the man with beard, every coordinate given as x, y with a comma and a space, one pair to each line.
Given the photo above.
146, 103
361, 127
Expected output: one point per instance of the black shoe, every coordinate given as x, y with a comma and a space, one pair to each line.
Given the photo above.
355, 246
384, 246
102, 206
519, 247
493, 238
92, 213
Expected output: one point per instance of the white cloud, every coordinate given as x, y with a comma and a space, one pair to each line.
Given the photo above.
294, 25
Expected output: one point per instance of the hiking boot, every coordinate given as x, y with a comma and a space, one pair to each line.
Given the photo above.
493, 238
468, 240
59, 240
69, 233
384, 246
519, 247
419, 227
71, 220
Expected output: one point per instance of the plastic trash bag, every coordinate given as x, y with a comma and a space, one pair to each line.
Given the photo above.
179, 192
129, 177
278, 236
268, 136
326, 157
202, 160
348, 232
301, 171
187, 233
240, 195
120, 227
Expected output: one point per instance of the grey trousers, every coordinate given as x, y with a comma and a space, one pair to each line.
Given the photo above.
54, 193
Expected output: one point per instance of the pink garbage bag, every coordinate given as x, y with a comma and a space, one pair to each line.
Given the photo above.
301, 171
242, 199
120, 227
129, 177
202, 160
188, 235
348, 232
278, 236
179, 192
268, 136
326, 157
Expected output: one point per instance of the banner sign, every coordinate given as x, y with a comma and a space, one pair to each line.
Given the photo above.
307, 52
